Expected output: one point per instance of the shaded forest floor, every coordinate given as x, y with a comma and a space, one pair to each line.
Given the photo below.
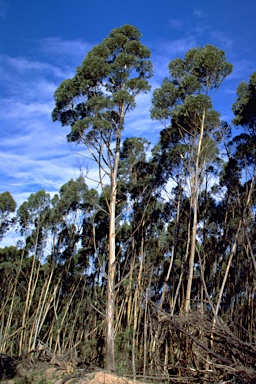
45, 373
49, 373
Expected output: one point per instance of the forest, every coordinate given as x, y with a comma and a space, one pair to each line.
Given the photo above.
153, 274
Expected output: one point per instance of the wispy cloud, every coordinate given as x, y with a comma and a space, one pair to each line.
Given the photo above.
67, 54
18, 109
200, 13
222, 40
165, 51
34, 151
4, 6
32, 173
243, 68
177, 24
139, 123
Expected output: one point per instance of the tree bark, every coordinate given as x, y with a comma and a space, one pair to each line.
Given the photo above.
195, 182
110, 306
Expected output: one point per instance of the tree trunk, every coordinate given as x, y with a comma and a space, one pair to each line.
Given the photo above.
195, 182
172, 255
110, 306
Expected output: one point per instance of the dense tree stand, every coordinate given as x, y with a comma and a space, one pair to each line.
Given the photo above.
152, 274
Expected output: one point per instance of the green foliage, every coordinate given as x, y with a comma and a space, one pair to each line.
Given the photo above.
7, 207
7, 203
104, 88
123, 351
244, 107
183, 104
185, 94
34, 210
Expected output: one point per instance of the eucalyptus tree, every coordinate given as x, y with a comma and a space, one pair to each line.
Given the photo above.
71, 212
244, 144
144, 244
11, 295
7, 207
32, 217
233, 263
94, 103
244, 110
244, 107
239, 178
244, 154
183, 103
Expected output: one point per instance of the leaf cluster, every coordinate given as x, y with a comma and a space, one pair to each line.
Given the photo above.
104, 88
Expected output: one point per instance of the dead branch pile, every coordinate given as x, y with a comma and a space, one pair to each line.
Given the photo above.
207, 350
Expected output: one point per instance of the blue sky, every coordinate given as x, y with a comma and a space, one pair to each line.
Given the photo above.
42, 43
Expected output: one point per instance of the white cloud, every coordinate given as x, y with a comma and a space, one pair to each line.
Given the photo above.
34, 151
25, 172
139, 123
174, 48
18, 109
67, 54
22, 64
56, 45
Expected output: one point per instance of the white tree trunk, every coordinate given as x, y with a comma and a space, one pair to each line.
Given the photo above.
194, 183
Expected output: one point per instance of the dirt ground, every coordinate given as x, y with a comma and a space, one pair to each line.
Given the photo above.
45, 374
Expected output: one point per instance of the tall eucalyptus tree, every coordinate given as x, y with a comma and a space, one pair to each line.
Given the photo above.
244, 109
184, 104
94, 104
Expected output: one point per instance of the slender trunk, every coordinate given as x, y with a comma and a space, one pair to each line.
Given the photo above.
110, 306
30, 294
10, 314
232, 252
172, 255
41, 312
195, 220
110, 310
130, 286
177, 292
74, 288
233, 248
250, 192
136, 309
166, 357
146, 330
